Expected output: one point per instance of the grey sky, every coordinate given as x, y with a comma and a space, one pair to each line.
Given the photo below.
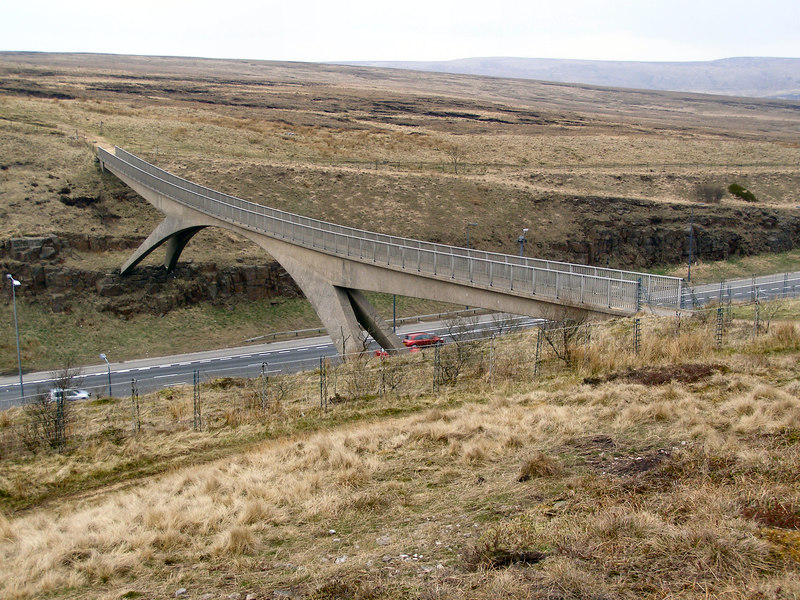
661, 30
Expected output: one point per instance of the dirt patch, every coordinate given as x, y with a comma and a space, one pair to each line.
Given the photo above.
78, 201
689, 373
774, 513
630, 466
603, 455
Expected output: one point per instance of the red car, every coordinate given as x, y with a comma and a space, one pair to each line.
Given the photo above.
416, 340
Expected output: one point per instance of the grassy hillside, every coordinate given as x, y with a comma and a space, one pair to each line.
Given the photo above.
667, 473
421, 153
597, 175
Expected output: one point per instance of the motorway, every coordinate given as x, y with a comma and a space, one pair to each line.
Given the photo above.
766, 287
296, 355
155, 373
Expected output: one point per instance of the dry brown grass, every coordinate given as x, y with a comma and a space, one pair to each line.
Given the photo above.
371, 149
557, 489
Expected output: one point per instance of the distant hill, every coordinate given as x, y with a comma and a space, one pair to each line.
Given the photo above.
754, 77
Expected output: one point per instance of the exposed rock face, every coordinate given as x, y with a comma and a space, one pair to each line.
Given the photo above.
625, 234
637, 240
32, 248
36, 262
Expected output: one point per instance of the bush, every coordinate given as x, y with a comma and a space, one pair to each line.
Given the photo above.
740, 192
710, 193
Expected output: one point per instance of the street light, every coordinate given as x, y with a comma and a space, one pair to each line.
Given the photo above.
14, 284
521, 240
103, 356
468, 226
691, 244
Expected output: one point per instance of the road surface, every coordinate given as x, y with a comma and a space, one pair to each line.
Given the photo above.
155, 373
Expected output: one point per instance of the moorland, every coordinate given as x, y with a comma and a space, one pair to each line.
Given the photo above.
666, 469
598, 175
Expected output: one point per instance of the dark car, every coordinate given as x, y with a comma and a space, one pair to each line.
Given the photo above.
416, 340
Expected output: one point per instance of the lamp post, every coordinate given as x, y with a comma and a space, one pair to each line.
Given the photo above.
691, 243
468, 226
103, 356
14, 284
522, 240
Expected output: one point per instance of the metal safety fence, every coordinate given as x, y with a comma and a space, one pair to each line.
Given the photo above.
259, 396
593, 287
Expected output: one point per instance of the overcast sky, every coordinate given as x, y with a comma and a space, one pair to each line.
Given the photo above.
659, 30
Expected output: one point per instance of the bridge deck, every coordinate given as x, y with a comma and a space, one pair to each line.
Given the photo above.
595, 288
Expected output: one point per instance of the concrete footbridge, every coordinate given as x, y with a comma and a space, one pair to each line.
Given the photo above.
333, 264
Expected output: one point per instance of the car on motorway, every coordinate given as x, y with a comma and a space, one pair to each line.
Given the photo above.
421, 339
70, 394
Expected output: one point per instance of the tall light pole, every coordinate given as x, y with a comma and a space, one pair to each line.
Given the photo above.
103, 356
521, 240
468, 226
691, 244
14, 284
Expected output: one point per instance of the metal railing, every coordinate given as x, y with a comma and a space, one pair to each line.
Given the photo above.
592, 287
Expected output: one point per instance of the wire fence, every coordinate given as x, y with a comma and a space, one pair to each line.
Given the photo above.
221, 399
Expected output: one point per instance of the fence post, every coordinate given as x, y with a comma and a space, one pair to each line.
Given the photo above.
137, 422
491, 358
60, 424
323, 384
436, 367
537, 353
756, 316
637, 335
263, 388
720, 325
638, 295
197, 416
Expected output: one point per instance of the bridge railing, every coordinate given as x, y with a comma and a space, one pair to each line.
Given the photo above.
594, 287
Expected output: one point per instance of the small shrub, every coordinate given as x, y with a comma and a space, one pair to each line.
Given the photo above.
710, 193
504, 545
539, 465
740, 192
223, 383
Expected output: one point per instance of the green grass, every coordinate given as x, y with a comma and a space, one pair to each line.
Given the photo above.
50, 339
737, 267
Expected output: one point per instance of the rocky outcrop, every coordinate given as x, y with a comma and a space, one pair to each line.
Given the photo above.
150, 289
636, 241
619, 233
52, 248
37, 263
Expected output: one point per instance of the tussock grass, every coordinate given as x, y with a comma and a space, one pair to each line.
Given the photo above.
335, 148
518, 488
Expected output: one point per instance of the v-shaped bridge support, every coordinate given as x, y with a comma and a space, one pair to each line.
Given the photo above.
343, 311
